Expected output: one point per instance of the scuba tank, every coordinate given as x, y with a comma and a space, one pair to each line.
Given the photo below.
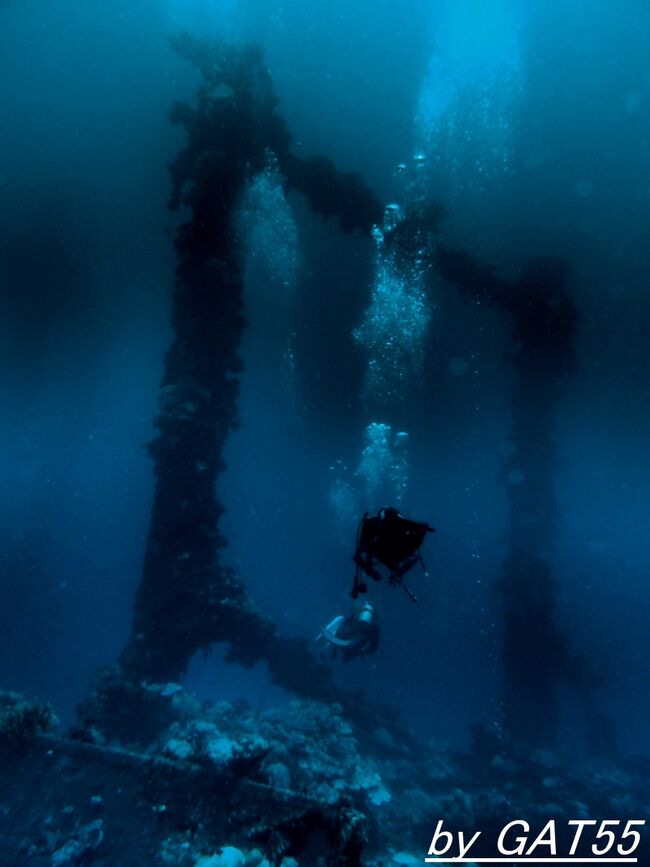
357, 631
368, 614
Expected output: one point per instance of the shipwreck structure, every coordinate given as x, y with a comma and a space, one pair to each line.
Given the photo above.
187, 599
152, 774
536, 652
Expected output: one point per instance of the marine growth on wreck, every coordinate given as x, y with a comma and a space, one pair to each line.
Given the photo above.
301, 305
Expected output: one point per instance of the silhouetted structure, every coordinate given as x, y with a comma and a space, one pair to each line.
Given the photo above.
187, 600
536, 652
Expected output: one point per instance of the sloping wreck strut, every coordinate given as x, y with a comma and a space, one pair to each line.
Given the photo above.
187, 600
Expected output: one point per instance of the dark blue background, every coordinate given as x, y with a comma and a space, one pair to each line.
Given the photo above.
86, 268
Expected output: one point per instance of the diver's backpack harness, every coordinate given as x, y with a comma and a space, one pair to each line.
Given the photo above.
358, 586
392, 540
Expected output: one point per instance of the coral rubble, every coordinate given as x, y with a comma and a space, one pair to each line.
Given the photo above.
294, 786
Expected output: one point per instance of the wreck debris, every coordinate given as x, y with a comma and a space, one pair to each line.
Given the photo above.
187, 600
292, 785
536, 651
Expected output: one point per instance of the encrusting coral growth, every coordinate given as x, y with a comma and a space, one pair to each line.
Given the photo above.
537, 655
187, 600
223, 785
21, 720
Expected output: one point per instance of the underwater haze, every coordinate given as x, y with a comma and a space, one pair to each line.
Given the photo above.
373, 374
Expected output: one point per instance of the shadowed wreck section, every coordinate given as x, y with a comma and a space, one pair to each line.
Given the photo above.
187, 600
536, 652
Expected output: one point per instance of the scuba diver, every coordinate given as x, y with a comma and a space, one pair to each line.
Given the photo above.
355, 635
390, 540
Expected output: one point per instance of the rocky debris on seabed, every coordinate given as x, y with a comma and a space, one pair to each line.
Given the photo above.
223, 785
21, 719
305, 747
81, 847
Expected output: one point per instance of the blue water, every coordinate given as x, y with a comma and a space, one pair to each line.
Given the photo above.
533, 120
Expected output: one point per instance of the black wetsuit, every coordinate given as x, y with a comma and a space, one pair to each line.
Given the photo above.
388, 539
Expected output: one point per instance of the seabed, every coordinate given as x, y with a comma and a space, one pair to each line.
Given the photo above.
224, 785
